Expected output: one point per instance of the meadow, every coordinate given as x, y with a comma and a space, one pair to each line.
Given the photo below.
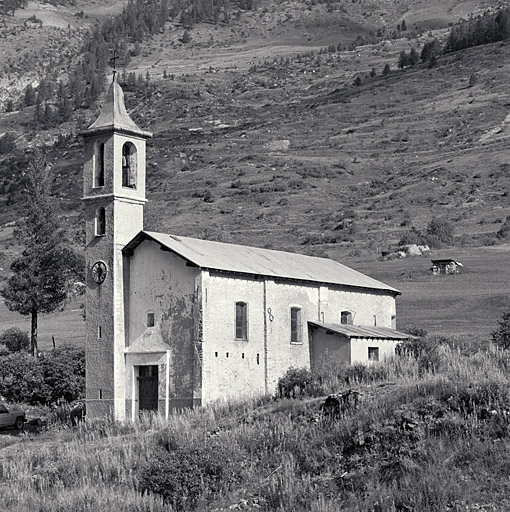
431, 432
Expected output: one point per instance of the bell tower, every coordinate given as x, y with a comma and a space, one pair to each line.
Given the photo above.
113, 197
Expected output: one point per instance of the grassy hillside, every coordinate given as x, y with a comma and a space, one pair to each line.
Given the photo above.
427, 434
258, 140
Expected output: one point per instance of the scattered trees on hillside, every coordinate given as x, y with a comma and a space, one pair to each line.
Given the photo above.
430, 50
487, 28
438, 233
408, 59
42, 273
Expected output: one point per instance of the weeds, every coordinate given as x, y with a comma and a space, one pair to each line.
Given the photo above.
419, 439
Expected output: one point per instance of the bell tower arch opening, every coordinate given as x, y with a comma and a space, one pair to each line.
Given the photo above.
129, 165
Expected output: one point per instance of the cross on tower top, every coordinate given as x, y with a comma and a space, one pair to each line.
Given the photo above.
114, 60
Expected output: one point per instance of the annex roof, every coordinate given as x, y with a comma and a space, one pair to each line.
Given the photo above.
363, 331
114, 116
243, 259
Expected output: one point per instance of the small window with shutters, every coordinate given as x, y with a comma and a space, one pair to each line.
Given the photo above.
295, 325
346, 317
241, 321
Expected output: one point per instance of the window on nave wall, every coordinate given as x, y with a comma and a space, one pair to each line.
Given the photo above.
346, 317
129, 169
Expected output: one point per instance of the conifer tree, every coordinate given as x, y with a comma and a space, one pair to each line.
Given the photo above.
41, 274
413, 57
29, 96
501, 336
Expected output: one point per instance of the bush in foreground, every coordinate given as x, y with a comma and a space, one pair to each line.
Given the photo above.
184, 475
15, 340
58, 375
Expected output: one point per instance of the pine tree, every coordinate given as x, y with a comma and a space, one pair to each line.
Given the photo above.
413, 57
41, 275
386, 69
186, 38
403, 59
29, 96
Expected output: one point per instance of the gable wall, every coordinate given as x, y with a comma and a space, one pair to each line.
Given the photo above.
160, 282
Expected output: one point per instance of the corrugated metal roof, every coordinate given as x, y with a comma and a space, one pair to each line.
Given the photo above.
264, 262
364, 331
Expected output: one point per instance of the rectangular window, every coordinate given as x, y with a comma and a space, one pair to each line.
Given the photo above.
295, 325
150, 319
241, 321
373, 353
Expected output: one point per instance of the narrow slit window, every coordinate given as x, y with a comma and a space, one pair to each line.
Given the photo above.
295, 325
150, 320
241, 321
346, 317
100, 222
99, 171
99, 332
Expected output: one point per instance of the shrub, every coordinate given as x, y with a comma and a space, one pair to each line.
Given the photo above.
294, 383
504, 230
56, 376
439, 233
183, 476
413, 236
15, 340
64, 374
501, 336
426, 350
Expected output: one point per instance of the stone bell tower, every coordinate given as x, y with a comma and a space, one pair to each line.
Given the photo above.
113, 196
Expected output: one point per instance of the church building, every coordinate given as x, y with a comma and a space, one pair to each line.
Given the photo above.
176, 322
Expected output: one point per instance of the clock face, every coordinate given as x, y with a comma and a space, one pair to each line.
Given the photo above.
99, 271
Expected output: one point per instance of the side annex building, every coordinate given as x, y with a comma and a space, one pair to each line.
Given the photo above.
177, 322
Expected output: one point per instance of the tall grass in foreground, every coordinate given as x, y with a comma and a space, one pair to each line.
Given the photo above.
429, 434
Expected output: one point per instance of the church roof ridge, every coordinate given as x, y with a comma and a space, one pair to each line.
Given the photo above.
114, 115
244, 259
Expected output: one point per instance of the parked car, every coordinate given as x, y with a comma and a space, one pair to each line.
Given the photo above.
12, 417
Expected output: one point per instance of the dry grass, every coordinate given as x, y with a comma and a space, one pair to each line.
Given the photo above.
425, 441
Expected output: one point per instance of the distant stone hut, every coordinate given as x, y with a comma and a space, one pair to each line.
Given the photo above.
445, 266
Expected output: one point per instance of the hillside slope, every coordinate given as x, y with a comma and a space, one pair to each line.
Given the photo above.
261, 137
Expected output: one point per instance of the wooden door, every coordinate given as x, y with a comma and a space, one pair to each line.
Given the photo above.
148, 388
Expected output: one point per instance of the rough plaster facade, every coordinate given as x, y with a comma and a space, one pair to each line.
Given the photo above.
161, 321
